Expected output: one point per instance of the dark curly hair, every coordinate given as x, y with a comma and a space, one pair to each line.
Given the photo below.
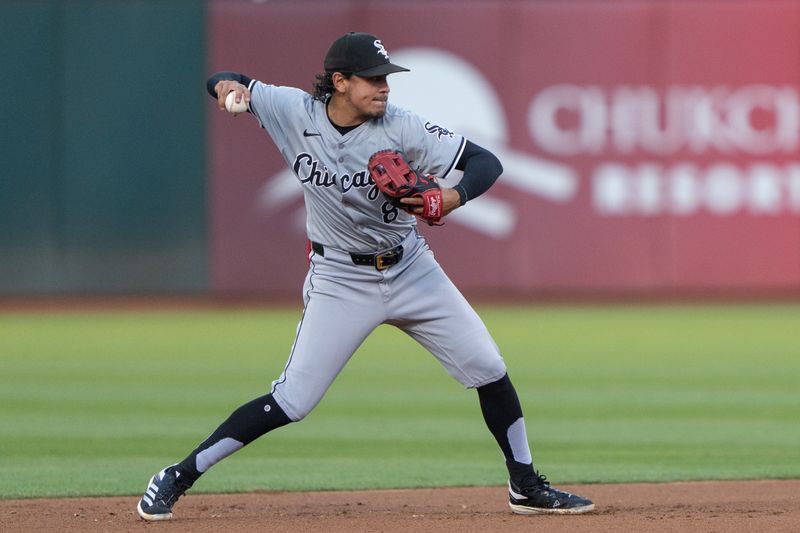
323, 85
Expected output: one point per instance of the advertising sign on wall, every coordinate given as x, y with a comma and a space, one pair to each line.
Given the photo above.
648, 147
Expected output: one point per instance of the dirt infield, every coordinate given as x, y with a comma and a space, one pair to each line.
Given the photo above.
705, 506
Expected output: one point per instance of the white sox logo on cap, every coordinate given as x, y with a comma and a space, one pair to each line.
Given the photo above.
381, 50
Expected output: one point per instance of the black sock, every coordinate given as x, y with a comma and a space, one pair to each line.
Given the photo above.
242, 427
501, 410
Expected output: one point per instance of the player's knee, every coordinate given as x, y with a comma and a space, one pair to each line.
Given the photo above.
499, 386
300, 414
294, 409
491, 372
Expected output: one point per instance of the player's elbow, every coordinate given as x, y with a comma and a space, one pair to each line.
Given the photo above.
495, 166
480, 160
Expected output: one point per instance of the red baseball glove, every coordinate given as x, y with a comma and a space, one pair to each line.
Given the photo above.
397, 180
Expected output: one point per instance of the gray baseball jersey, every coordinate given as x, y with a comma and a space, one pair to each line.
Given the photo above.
346, 213
344, 208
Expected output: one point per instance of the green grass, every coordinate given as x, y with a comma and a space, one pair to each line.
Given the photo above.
93, 403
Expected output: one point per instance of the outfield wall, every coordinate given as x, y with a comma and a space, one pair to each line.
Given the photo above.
102, 159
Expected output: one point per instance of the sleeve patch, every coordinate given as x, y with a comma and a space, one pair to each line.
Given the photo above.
439, 131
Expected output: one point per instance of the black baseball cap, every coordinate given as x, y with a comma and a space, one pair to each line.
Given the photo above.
361, 54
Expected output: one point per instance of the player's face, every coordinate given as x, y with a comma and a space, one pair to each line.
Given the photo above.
367, 96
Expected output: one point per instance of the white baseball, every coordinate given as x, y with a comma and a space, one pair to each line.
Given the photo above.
233, 106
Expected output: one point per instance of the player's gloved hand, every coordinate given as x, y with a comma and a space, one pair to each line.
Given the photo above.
394, 178
414, 204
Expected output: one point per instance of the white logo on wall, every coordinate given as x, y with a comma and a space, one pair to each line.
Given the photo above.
757, 124
570, 120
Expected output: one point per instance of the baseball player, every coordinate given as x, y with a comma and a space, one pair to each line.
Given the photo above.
368, 265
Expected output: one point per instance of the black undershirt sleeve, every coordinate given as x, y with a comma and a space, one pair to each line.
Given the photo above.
481, 169
225, 75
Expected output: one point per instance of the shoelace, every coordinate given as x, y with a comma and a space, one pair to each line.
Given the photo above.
541, 480
538, 482
173, 490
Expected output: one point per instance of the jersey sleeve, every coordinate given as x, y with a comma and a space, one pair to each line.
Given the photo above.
272, 106
430, 147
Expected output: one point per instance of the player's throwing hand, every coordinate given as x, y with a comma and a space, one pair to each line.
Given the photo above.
224, 87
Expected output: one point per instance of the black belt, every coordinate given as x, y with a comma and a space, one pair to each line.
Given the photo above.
380, 261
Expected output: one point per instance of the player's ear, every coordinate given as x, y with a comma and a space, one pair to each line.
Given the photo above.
340, 82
